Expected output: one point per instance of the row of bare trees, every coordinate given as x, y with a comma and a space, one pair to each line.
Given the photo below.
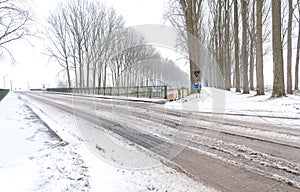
239, 34
95, 49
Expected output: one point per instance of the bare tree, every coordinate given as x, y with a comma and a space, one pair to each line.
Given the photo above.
298, 50
278, 71
220, 37
15, 23
284, 22
252, 49
74, 16
82, 38
91, 40
267, 29
236, 47
110, 36
227, 49
127, 63
244, 46
185, 16
259, 49
57, 35
289, 49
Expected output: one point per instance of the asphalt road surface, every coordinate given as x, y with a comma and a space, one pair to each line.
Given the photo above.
214, 150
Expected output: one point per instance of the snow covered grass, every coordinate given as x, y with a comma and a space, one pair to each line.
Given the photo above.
32, 157
232, 102
21, 129
55, 169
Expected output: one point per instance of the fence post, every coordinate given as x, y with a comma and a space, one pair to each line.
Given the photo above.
166, 94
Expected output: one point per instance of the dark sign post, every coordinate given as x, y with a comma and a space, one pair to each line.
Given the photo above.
197, 87
197, 84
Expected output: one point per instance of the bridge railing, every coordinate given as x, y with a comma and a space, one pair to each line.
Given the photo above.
144, 91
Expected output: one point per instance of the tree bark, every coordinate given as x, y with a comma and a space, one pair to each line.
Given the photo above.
278, 71
244, 47
252, 47
297, 59
289, 50
236, 48
227, 64
259, 50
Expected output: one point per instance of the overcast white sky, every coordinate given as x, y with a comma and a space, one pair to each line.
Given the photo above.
32, 68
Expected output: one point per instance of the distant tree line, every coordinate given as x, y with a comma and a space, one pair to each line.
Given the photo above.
94, 48
239, 34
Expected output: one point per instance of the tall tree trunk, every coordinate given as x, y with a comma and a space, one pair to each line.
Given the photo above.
244, 46
94, 75
220, 39
278, 71
289, 50
80, 63
217, 51
236, 48
191, 22
227, 64
104, 76
252, 47
251, 65
88, 74
75, 65
259, 50
297, 58
99, 84
68, 74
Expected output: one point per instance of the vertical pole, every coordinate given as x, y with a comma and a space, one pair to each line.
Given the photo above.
166, 94
4, 82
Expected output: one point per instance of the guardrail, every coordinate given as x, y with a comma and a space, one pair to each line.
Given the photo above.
3, 93
145, 91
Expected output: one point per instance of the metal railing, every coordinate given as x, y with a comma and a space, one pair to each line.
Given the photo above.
143, 91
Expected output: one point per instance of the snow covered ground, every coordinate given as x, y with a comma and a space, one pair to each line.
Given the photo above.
34, 158
231, 103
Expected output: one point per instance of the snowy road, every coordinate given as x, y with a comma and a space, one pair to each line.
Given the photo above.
238, 153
